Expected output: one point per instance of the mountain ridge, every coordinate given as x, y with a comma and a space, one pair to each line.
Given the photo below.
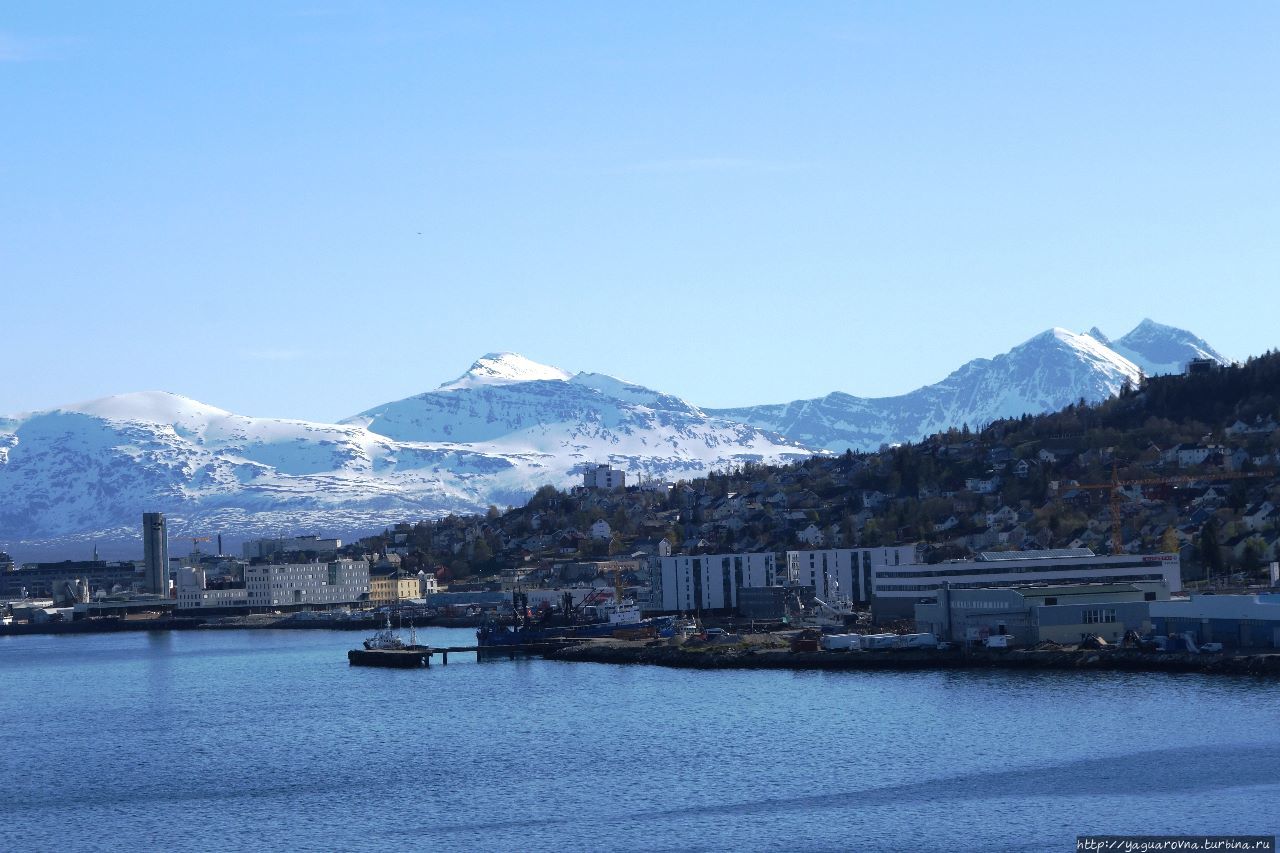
493, 435
1046, 372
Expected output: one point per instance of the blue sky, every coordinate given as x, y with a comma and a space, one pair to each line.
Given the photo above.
304, 209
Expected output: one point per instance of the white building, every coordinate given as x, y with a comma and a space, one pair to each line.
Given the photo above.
844, 574
712, 581
1187, 455
193, 591
308, 584
983, 485
600, 530
897, 589
427, 583
604, 477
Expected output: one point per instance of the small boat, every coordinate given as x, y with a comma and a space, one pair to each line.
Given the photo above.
387, 648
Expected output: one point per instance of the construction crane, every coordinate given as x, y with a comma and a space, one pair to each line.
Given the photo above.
1116, 485
195, 547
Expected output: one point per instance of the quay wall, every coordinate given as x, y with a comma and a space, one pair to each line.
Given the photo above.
738, 658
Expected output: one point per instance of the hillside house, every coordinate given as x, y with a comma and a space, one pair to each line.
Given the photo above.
1023, 468
1260, 426
1187, 455
1004, 515
1055, 455
873, 499
811, 536
1260, 515
946, 524
983, 485
1211, 498
653, 547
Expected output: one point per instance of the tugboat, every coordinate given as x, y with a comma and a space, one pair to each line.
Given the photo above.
386, 648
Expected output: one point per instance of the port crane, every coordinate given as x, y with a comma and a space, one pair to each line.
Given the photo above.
1117, 485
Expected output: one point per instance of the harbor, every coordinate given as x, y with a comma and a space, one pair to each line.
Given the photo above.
518, 755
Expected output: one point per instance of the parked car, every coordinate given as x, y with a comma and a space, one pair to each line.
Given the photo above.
1211, 648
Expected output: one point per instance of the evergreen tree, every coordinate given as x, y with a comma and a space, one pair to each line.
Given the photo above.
1210, 552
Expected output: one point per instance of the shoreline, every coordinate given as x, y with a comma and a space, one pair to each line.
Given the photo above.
224, 623
736, 657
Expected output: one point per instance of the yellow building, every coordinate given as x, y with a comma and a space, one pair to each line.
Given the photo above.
387, 589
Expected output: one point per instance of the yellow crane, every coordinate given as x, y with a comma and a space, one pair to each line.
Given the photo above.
1116, 485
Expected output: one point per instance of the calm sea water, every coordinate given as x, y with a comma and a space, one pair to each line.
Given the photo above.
268, 740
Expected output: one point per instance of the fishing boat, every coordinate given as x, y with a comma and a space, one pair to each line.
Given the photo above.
389, 649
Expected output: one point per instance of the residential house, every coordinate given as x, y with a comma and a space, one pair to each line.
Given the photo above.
1258, 427
946, 524
1004, 515
811, 536
1055, 456
653, 547
1260, 515
1187, 455
983, 485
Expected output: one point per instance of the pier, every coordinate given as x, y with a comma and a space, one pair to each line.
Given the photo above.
420, 656
510, 652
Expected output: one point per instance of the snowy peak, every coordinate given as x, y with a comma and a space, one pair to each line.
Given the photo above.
1086, 348
1159, 349
508, 404
505, 368
156, 407
1045, 373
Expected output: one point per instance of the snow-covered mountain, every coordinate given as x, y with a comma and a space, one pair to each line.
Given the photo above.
1158, 349
494, 435
1047, 372
508, 406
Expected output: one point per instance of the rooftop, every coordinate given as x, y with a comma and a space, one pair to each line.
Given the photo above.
1045, 554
